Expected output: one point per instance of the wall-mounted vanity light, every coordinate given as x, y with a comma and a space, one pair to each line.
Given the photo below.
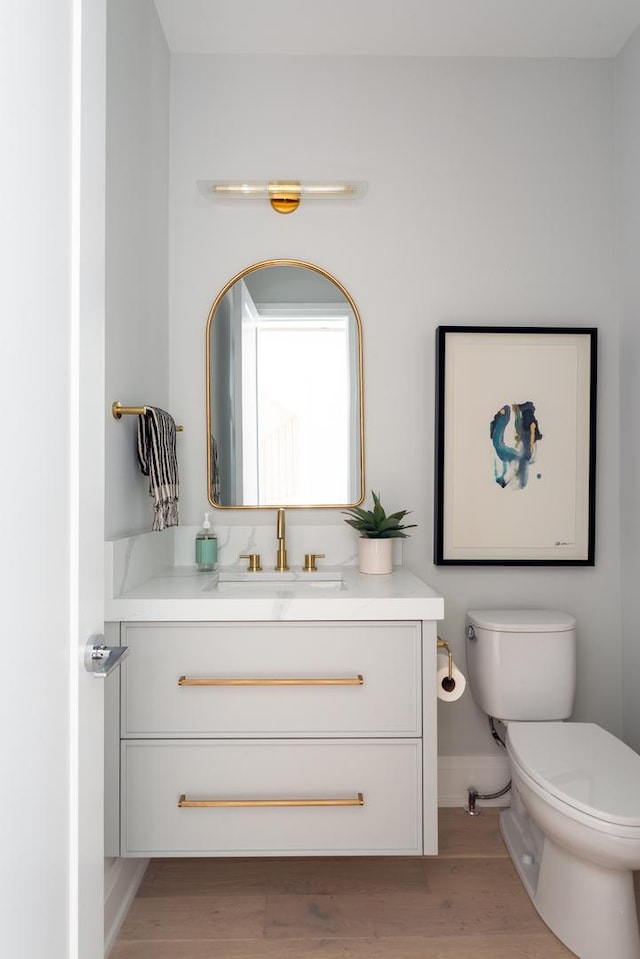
283, 195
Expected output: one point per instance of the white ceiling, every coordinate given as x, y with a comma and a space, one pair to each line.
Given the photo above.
447, 28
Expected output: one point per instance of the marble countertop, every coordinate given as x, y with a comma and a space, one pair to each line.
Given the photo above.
181, 594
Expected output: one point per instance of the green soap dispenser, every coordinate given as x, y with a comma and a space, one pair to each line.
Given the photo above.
206, 548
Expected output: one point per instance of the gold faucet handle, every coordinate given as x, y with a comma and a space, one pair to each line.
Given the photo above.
254, 562
310, 562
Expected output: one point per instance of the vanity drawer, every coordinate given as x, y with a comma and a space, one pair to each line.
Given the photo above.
156, 774
272, 679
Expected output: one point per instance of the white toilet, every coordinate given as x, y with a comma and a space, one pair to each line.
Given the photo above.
573, 827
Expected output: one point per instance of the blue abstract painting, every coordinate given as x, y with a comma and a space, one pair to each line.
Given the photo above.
513, 459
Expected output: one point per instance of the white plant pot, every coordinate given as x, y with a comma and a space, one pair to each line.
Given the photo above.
375, 555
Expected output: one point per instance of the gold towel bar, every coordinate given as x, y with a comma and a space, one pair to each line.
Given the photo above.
118, 411
346, 681
185, 803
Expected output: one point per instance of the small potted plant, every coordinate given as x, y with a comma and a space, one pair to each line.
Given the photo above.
377, 532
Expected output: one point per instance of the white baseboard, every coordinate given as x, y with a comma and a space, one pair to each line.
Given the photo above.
485, 774
121, 881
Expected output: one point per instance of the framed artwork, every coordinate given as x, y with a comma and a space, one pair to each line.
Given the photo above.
515, 446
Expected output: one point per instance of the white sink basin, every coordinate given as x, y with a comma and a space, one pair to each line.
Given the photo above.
273, 590
231, 574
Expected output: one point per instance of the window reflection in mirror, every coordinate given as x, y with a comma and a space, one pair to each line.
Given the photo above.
284, 390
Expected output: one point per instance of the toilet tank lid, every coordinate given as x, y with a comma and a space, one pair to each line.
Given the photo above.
521, 620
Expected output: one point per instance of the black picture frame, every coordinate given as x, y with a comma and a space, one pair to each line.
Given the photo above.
515, 446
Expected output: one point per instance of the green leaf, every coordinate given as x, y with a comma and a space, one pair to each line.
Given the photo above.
389, 523
399, 515
355, 523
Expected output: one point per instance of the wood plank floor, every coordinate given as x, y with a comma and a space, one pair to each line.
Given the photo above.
467, 903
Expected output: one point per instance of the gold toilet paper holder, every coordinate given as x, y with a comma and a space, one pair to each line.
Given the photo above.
448, 684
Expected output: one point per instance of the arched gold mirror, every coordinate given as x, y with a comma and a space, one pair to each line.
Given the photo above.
284, 390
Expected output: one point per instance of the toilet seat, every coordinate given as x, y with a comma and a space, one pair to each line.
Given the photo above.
582, 767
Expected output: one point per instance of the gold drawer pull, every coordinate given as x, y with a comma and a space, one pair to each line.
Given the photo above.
346, 681
185, 803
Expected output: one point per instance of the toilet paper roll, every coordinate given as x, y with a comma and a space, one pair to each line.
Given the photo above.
445, 693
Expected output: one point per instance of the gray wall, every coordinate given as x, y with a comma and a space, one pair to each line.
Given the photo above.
490, 200
137, 270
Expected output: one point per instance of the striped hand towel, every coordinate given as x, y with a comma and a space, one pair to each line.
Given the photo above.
158, 461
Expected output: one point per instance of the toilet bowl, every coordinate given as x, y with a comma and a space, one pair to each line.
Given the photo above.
573, 826
573, 833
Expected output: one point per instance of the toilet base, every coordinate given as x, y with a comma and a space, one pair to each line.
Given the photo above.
591, 909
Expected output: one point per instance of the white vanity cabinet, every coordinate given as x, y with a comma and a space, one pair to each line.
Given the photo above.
272, 739
276, 719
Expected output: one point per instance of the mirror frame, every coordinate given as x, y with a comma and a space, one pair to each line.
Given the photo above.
212, 312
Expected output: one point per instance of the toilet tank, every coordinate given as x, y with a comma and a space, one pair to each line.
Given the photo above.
521, 663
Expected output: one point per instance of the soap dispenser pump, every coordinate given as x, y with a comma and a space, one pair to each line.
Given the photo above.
206, 548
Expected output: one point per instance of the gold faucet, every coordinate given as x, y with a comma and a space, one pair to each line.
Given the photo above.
281, 557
